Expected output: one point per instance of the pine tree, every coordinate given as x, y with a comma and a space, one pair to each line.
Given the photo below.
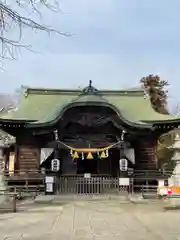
156, 89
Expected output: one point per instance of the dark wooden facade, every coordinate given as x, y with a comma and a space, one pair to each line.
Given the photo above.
28, 158
83, 127
146, 153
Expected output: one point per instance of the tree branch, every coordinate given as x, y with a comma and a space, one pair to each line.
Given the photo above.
9, 18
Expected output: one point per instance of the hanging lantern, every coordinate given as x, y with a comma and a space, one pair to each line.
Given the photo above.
103, 155
75, 155
89, 156
55, 165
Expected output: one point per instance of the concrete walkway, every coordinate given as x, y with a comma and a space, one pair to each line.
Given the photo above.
91, 220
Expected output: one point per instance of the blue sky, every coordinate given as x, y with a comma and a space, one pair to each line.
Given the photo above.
114, 43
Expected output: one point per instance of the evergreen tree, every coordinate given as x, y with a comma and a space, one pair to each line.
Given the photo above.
156, 89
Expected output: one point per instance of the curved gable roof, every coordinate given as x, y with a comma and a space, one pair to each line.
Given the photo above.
44, 106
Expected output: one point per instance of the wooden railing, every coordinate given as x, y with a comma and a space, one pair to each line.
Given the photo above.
23, 174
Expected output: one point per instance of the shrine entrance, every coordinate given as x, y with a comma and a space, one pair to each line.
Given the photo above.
97, 166
85, 165
93, 176
93, 142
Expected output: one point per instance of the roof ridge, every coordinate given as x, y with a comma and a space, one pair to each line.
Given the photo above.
30, 90
80, 89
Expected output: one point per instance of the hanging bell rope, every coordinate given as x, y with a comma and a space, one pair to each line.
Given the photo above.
103, 155
89, 156
87, 150
75, 155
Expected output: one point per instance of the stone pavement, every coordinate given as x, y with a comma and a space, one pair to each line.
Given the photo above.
81, 220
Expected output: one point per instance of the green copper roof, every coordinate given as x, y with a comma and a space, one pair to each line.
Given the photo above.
45, 106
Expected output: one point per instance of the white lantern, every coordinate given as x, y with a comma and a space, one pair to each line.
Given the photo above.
123, 164
55, 165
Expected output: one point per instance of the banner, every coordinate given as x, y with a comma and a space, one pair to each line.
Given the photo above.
45, 153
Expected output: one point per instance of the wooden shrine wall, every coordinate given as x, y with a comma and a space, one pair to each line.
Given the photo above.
28, 158
28, 152
146, 153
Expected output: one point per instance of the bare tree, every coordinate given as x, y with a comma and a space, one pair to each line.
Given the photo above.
11, 18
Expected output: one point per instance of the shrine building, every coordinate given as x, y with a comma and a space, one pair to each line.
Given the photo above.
88, 131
